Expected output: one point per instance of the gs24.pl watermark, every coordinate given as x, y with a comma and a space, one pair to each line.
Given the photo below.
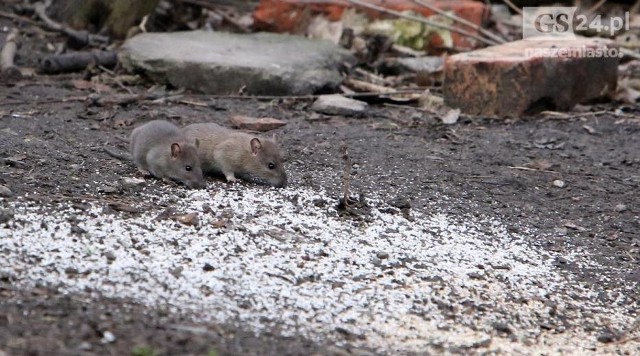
564, 22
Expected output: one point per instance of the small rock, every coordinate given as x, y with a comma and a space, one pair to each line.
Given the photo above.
190, 219
620, 208
558, 183
176, 272
315, 117
256, 124
503, 328
84, 346
5, 192
108, 337
108, 188
475, 275
110, 256
208, 267
71, 270
338, 105
400, 203
77, 230
503, 267
607, 336
132, 181
382, 255
6, 215
319, 202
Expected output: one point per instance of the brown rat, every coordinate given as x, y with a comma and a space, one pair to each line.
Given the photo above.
160, 148
229, 152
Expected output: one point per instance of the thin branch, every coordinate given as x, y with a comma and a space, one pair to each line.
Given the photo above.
7, 67
18, 18
513, 7
595, 7
346, 177
455, 18
424, 21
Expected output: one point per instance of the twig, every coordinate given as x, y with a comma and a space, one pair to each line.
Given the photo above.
513, 7
424, 21
346, 177
77, 39
366, 86
455, 18
635, 8
7, 67
115, 79
595, 7
315, 96
531, 169
629, 53
18, 18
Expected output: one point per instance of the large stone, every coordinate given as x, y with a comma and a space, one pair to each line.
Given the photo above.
528, 76
226, 63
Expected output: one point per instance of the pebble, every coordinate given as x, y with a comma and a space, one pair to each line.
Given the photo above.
558, 183
110, 256
335, 104
108, 337
400, 203
607, 336
620, 208
6, 215
208, 267
5, 192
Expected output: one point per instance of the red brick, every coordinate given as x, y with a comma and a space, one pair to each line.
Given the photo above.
504, 81
290, 15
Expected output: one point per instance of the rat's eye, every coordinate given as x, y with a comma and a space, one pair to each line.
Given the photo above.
271, 165
188, 168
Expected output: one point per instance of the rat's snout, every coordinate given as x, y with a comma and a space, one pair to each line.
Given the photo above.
196, 184
280, 183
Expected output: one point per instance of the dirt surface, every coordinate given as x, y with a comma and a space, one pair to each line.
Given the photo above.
51, 149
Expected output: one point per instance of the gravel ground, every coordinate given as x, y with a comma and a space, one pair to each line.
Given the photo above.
392, 280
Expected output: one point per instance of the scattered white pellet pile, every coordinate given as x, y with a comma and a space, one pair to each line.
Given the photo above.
283, 258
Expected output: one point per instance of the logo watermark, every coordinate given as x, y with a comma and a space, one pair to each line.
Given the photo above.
565, 22
574, 52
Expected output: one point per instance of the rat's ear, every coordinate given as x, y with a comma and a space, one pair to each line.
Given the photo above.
256, 146
197, 143
176, 150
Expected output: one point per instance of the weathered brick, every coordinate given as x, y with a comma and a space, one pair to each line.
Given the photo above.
290, 15
505, 80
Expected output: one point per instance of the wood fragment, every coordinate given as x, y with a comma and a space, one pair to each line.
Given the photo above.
76, 39
8, 69
360, 85
346, 177
77, 61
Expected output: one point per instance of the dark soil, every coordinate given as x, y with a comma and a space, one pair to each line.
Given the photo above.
51, 148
